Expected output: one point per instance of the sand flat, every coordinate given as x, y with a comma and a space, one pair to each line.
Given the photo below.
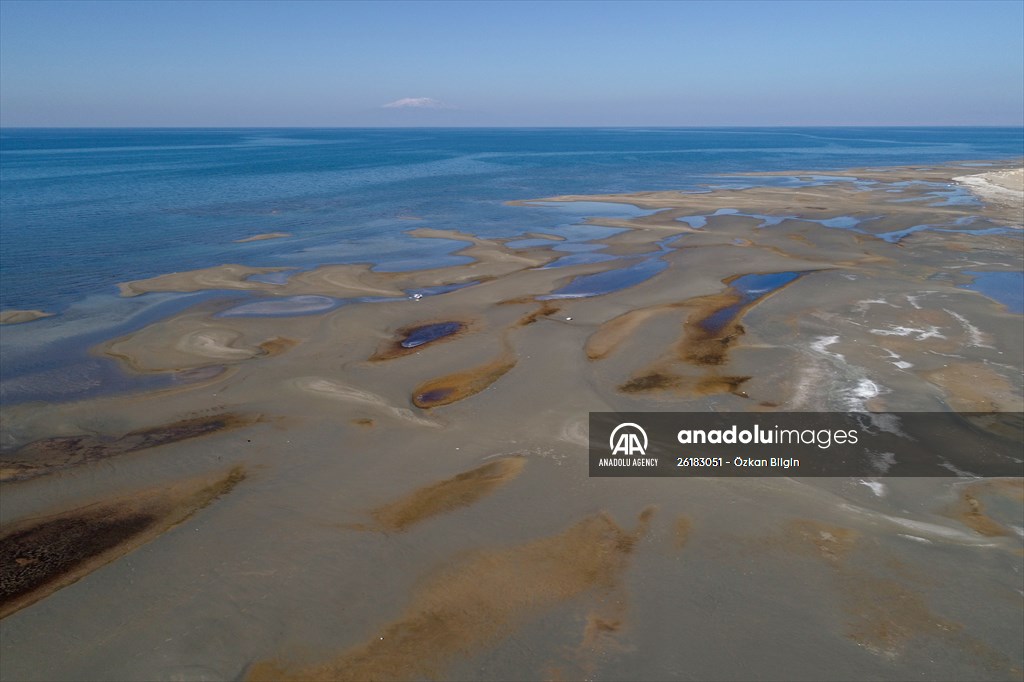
425, 511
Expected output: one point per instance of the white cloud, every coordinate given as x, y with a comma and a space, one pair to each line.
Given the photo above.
416, 103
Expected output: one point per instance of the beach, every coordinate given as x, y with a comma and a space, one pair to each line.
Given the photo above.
396, 487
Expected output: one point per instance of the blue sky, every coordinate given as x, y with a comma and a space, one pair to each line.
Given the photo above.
518, 63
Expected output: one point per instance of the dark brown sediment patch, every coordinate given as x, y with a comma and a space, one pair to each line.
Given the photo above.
714, 326
970, 510
460, 385
421, 334
40, 556
705, 345
461, 490
704, 385
479, 599
653, 381
521, 300
710, 331
363, 422
277, 345
546, 308
50, 454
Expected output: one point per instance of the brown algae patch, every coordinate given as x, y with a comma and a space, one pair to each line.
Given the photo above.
43, 456
40, 556
454, 387
479, 599
413, 338
461, 490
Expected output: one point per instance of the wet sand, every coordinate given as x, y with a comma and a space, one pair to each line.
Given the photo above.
417, 504
19, 316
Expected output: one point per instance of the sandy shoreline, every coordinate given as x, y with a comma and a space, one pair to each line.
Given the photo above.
1000, 187
416, 501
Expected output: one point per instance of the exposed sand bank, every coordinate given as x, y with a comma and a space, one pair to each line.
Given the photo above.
417, 503
490, 259
19, 316
1000, 187
263, 237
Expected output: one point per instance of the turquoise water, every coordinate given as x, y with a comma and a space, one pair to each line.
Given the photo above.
82, 210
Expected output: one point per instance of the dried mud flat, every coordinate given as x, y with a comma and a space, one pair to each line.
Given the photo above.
418, 505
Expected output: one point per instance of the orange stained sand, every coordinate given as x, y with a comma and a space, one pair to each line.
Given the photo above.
461, 490
478, 600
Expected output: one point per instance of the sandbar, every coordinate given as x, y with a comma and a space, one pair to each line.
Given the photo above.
263, 237
20, 316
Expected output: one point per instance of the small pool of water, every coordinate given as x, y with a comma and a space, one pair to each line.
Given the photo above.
610, 281
1004, 287
750, 288
430, 332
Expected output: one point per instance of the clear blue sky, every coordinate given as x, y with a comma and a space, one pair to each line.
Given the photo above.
81, 63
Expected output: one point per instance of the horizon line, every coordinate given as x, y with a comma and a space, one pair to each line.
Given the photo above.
503, 127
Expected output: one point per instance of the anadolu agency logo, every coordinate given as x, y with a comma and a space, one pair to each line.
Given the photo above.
628, 439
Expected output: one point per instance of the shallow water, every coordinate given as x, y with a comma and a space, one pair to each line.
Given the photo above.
1005, 287
750, 288
180, 198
